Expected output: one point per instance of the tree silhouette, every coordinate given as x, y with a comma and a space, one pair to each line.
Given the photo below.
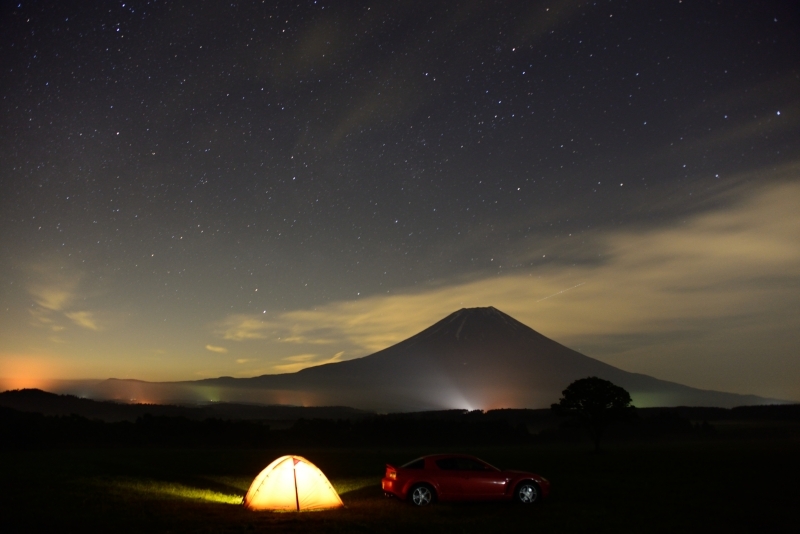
596, 403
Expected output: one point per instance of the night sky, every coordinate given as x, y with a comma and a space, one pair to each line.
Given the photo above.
197, 189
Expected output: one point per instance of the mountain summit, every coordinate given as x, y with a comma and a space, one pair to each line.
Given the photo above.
475, 358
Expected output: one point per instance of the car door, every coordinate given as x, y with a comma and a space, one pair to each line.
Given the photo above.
449, 478
480, 480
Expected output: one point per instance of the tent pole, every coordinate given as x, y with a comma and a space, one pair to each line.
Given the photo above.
296, 497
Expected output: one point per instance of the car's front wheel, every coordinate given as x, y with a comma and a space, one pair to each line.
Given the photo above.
421, 495
527, 492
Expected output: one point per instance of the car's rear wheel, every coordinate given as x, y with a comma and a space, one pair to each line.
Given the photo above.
527, 492
421, 495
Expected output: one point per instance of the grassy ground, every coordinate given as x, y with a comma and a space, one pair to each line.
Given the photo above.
707, 485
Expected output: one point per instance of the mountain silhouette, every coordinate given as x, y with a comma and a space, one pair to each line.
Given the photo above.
475, 358
45, 403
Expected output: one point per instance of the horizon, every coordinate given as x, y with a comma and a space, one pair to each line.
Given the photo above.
428, 373
195, 191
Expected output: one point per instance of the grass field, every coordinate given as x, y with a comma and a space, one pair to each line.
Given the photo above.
720, 484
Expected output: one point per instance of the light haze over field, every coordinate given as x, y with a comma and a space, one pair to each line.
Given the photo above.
191, 191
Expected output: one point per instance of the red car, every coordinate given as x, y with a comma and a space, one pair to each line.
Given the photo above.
455, 477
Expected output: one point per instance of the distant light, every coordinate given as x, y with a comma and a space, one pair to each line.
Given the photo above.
779, 113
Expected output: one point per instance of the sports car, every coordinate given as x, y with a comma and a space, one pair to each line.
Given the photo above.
457, 477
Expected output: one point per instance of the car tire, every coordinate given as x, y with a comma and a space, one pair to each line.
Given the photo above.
527, 492
421, 495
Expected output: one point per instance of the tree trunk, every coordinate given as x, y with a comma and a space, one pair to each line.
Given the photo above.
597, 434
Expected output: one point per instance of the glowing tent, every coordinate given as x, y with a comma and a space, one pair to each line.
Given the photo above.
291, 484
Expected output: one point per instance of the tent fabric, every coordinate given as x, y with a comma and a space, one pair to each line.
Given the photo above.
291, 484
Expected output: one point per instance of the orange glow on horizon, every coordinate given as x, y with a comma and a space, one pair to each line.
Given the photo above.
21, 371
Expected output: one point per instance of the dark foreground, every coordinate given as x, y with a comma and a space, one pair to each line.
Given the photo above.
739, 481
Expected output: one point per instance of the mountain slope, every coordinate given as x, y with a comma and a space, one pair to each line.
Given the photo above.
473, 358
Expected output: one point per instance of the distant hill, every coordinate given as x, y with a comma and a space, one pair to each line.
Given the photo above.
475, 358
38, 401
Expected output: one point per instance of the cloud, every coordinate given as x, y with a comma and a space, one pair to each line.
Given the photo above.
50, 287
242, 327
713, 283
51, 298
664, 301
83, 319
43, 318
214, 348
244, 360
303, 361
55, 290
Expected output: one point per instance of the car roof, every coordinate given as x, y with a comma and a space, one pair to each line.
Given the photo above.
455, 455
434, 457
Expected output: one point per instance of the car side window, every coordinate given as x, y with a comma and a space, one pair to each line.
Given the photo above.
447, 464
466, 464
416, 464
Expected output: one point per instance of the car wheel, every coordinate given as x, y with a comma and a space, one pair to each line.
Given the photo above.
527, 492
421, 495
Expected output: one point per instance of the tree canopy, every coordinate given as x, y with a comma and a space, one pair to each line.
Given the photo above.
595, 402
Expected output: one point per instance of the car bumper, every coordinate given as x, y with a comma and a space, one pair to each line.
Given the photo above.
392, 486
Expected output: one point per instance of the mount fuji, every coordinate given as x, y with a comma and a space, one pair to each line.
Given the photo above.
475, 358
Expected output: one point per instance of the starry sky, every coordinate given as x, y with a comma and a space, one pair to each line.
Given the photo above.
198, 189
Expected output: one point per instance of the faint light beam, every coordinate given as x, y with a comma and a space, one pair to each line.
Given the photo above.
562, 291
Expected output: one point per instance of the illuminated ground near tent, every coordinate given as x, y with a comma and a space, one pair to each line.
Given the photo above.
159, 489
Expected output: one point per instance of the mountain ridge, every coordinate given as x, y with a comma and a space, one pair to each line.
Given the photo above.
474, 358
53, 404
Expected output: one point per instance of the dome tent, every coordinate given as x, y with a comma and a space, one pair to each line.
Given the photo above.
291, 484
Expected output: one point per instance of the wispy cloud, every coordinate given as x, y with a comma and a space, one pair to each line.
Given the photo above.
214, 348
55, 291
41, 317
303, 361
711, 281
50, 297
84, 319
244, 327
51, 287
241, 327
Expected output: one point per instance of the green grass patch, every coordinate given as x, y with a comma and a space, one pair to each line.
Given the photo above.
343, 486
159, 489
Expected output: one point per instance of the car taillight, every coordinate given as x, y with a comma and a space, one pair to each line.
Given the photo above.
391, 472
